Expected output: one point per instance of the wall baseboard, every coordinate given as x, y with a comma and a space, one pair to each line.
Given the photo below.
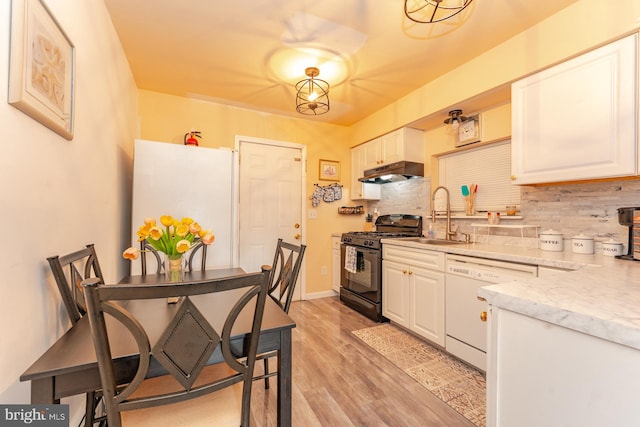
317, 295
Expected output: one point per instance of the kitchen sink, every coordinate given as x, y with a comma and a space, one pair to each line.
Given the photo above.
428, 241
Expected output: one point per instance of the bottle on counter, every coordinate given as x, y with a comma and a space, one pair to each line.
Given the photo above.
368, 224
431, 232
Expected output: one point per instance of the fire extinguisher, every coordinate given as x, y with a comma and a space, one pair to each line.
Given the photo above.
190, 138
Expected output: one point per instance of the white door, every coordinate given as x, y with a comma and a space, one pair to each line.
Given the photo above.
271, 195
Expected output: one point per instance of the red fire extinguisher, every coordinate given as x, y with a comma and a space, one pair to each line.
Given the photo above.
190, 138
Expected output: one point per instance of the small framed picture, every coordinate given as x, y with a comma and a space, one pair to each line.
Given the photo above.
41, 67
329, 170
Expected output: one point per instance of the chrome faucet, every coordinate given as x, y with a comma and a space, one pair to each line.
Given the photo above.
448, 234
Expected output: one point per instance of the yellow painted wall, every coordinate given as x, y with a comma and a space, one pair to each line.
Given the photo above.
167, 118
580, 27
576, 29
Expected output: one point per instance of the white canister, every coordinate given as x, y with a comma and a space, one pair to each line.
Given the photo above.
582, 244
551, 240
611, 248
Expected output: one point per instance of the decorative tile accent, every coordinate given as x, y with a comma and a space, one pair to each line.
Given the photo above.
458, 385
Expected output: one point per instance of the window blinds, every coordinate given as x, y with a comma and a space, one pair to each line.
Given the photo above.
489, 167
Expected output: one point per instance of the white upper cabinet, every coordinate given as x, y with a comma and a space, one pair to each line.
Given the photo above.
578, 120
360, 190
402, 144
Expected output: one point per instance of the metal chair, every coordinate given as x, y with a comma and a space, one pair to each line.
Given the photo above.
69, 271
181, 349
147, 250
283, 276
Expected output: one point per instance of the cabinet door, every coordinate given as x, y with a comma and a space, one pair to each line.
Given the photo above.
392, 147
335, 264
360, 190
372, 154
427, 304
395, 292
577, 120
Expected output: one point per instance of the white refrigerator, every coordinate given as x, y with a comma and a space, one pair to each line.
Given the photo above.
187, 181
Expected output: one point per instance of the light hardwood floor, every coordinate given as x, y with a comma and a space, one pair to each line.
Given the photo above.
340, 381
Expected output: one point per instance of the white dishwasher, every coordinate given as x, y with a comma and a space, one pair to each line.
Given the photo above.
465, 314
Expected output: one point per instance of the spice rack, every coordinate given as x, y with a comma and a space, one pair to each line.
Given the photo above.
520, 227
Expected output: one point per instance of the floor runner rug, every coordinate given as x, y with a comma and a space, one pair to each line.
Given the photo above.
460, 386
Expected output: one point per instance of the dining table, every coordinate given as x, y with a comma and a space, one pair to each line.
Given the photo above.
69, 367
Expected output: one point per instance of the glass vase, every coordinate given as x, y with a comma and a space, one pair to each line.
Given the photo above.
470, 208
173, 269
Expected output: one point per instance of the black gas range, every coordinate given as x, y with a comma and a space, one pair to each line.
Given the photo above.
361, 262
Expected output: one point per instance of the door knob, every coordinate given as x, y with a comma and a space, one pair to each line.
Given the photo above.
483, 316
297, 236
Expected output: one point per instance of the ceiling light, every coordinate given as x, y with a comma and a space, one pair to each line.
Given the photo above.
429, 11
454, 119
313, 94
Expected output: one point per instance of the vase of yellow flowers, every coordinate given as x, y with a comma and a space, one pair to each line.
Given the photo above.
173, 238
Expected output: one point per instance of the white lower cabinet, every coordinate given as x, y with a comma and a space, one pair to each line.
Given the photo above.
413, 290
335, 264
543, 374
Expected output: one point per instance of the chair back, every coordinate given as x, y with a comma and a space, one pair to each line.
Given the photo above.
192, 260
175, 339
283, 273
69, 271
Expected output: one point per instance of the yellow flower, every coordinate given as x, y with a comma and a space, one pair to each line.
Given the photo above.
131, 253
194, 228
155, 233
183, 246
182, 230
150, 221
208, 237
187, 221
166, 220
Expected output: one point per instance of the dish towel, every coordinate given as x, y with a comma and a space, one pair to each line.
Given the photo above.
350, 259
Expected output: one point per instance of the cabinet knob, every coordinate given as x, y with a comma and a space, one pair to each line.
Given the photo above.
297, 236
481, 299
513, 177
410, 272
404, 271
483, 316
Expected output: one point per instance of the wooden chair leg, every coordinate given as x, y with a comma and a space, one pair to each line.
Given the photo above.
266, 372
90, 409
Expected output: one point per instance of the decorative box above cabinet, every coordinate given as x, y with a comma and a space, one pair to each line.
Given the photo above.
402, 144
578, 120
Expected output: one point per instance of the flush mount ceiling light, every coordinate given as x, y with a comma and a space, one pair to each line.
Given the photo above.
455, 118
430, 11
312, 96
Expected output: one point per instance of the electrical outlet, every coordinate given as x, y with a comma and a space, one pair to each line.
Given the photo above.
323, 270
313, 214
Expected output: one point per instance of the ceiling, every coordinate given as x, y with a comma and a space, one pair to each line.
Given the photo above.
252, 53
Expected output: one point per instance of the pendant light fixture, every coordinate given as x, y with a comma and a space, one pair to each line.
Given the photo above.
430, 11
312, 96
454, 119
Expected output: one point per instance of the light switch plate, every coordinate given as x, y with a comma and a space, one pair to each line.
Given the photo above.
313, 214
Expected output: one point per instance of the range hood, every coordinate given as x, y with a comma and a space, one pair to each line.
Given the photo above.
398, 171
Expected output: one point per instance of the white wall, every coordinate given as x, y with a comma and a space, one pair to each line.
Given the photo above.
59, 195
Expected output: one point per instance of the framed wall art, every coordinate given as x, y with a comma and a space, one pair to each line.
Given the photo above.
41, 67
329, 170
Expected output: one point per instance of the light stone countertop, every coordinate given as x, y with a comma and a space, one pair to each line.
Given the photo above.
600, 298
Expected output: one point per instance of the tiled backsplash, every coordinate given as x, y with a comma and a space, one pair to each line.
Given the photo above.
589, 208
